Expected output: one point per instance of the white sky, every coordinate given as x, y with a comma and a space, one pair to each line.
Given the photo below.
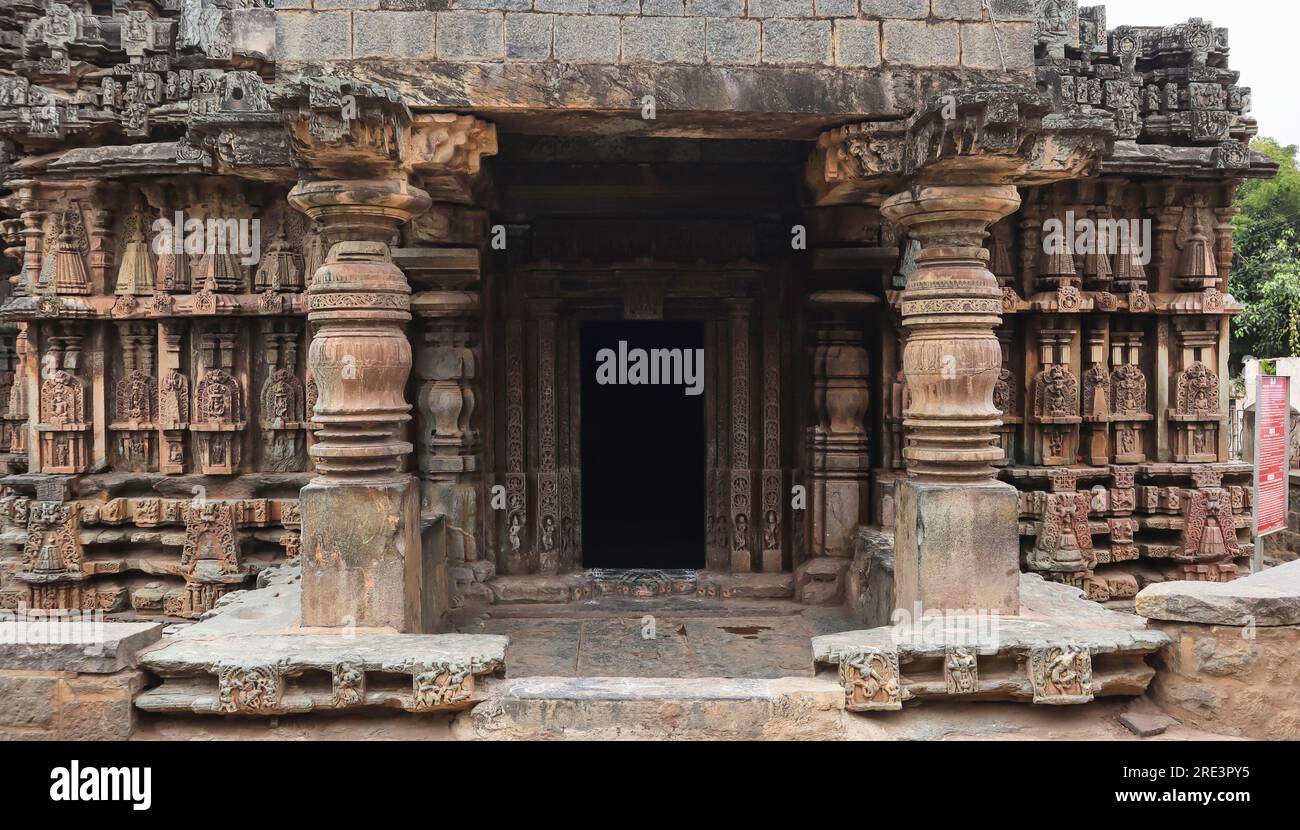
1262, 37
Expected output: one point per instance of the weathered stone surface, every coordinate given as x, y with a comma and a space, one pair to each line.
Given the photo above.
715, 8
1146, 725
310, 35
587, 39
869, 583
998, 658
921, 44
528, 36
734, 41
1270, 597
552, 708
470, 35
117, 650
664, 40
957, 547
251, 657
394, 35
820, 581
797, 41
362, 558
1231, 680
66, 706
905, 9
29, 700
857, 43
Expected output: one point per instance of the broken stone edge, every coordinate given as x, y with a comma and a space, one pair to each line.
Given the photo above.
1267, 598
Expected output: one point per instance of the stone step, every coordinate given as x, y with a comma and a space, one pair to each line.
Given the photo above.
635, 708
640, 584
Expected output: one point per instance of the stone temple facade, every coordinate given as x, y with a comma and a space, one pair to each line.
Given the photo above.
958, 271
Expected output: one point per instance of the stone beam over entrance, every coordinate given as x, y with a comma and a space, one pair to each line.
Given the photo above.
769, 69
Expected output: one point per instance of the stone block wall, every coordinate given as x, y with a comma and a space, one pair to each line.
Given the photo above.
845, 33
68, 706
1231, 680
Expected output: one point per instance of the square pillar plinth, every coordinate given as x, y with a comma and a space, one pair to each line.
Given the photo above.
363, 563
957, 546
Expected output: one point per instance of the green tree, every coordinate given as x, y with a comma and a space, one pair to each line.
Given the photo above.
1266, 267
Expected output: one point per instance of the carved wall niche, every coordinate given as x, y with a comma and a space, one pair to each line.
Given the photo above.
1195, 411
174, 398
53, 563
282, 398
219, 408
1056, 400
135, 397
1007, 398
64, 411
1130, 409
210, 560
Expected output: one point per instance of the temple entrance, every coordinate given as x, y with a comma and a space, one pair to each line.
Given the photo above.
643, 447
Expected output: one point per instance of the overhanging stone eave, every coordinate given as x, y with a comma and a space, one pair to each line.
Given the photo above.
1131, 158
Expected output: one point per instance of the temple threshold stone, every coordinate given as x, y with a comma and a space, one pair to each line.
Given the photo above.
586, 708
1271, 597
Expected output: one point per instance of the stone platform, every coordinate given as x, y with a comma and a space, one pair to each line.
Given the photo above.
248, 657
671, 637
1060, 649
1232, 665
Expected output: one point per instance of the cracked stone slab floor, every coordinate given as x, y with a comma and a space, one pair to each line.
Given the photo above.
673, 637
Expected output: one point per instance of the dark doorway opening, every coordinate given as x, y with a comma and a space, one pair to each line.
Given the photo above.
642, 450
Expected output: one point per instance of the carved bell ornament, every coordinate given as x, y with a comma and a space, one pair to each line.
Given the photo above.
1197, 261
279, 269
137, 274
70, 276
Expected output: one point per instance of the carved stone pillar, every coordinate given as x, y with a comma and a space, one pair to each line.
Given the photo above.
956, 533
447, 367
742, 483
362, 558
839, 490
546, 536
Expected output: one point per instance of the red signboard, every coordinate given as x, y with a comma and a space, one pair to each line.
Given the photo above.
1272, 418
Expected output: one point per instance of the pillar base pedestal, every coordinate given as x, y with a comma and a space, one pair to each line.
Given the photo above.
957, 547
363, 562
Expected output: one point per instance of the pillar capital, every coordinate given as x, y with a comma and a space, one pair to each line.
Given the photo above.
983, 135
360, 209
